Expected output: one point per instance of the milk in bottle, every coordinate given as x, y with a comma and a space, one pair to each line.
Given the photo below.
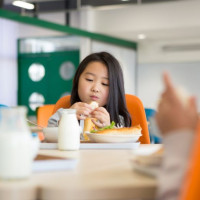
69, 131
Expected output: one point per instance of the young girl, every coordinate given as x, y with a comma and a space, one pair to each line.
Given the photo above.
98, 78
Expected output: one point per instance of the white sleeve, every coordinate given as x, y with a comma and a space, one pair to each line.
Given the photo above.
177, 148
55, 118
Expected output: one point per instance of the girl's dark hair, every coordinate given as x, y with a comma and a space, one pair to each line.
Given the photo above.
116, 104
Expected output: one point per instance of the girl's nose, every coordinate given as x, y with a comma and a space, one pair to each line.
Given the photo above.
95, 89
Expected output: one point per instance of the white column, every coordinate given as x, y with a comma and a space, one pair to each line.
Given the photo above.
8, 62
87, 22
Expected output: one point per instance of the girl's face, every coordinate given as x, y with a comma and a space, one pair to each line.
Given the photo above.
94, 84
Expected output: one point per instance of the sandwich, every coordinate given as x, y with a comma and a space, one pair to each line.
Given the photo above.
88, 124
113, 130
121, 131
113, 134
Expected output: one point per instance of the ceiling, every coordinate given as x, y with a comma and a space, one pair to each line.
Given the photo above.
67, 5
176, 33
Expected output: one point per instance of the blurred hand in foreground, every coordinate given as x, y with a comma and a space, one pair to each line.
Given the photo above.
173, 114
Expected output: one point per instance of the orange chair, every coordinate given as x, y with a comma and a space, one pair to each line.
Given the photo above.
43, 114
137, 112
191, 188
135, 108
63, 102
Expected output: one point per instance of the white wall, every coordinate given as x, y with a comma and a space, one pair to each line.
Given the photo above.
184, 75
168, 23
153, 51
8, 64
165, 24
9, 33
58, 17
150, 18
32, 31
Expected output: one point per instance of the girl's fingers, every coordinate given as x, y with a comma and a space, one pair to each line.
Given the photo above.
84, 110
81, 117
102, 120
85, 105
82, 114
99, 111
98, 123
100, 116
81, 105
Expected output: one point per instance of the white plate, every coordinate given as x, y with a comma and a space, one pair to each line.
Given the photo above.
146, 160
51, 134
102, 138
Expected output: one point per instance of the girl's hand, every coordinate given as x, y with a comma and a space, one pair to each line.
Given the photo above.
83, 110
102, 115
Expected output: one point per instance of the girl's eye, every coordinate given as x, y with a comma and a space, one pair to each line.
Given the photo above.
87, 79
105, 84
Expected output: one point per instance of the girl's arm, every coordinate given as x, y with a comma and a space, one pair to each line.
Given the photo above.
55, 118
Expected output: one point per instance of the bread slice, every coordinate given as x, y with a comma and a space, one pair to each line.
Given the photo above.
88, 124
94, 104
122, 131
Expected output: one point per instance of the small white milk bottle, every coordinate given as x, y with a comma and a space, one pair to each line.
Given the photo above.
69, 131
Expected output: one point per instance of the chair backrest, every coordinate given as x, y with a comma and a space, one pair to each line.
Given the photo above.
43, 114
150, 113
191, 188
63, 102
137, 112
135, 108
3, 106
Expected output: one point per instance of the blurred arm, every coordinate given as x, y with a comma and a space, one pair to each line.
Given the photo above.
178, 146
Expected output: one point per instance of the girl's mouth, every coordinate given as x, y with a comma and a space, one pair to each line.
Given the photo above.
94, 98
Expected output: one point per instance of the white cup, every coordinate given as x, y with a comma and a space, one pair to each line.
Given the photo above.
16, 155
17, 146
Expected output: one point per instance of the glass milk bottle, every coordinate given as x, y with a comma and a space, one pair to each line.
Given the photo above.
15, 144
69, 131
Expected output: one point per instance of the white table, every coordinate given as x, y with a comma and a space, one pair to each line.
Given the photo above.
99, 175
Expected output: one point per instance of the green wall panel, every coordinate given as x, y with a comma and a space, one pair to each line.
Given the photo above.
52, 86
